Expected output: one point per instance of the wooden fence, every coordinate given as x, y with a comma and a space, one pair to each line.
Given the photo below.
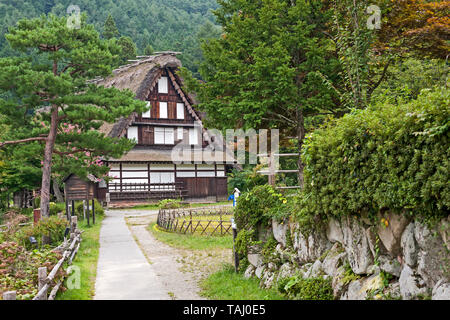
209, 221
69, 248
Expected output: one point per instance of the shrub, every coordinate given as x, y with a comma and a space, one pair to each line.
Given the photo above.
53, 227
97, 206
19, 268
246, 179
56, 208
297, 287
258, 206
393, 156
169, 204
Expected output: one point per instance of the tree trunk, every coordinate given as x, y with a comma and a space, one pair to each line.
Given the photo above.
57, 191
47, 165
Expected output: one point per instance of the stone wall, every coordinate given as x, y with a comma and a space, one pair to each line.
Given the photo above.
395, 259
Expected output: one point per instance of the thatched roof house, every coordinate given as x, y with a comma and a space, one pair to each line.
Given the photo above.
149, 171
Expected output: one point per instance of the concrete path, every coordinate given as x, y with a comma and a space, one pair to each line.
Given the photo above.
123, 272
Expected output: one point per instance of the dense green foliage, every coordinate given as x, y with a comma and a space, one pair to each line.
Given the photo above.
163, 24
391, 155
19, 269
300, 288
53, 227
169, 204
52, 104
258, 206
266, 70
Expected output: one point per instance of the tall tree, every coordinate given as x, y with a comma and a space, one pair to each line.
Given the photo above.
415, 27
109, 28
54, 103
265, 71
128, 49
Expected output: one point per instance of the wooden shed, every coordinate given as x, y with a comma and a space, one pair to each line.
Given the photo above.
76, 188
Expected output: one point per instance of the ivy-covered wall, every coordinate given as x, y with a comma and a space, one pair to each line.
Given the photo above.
389, 156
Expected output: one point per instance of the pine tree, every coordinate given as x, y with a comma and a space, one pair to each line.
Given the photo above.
148, 51
110, 29
53, 107
128, 49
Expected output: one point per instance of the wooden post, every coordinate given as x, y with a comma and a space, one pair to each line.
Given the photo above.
87, 213
36, 215
236, 255
73, 207
42, 276
93, 211
67, 209
73, 224
84, 209
272, 168
10, 295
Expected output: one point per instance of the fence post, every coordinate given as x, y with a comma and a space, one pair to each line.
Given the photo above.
10, 295
73, 223
42, 276
236, 256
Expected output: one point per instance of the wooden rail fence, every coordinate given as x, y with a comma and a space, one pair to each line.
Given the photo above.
69, 248
209, 221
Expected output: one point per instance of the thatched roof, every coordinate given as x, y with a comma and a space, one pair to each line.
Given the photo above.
141, 77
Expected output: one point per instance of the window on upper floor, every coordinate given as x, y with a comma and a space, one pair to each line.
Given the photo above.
180, 111
163, 110
164, 136
132, 133
147, 113
193, 136
163, 85
180, 133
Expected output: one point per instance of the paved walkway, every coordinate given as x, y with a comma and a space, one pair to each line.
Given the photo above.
123, 272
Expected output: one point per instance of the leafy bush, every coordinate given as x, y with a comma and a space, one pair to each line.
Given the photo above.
393, 156
18, 269
244, 239
246, 179
258, 206
53, 227
297, 287
56, 208
97, 206
169, 204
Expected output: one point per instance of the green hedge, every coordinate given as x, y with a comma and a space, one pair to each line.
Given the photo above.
393, 156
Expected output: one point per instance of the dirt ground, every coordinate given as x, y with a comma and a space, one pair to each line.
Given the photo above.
180, 270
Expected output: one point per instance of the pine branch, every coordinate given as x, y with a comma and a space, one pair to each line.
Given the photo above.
2, 144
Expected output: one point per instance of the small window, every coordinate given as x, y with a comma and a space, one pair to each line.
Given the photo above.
164, 136
132, 133
180, 111
163, 85
193, 136
163, 110
147, 113
180, 133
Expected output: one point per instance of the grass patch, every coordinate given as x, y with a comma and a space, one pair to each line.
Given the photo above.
228, 285
191, 242
86, 259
